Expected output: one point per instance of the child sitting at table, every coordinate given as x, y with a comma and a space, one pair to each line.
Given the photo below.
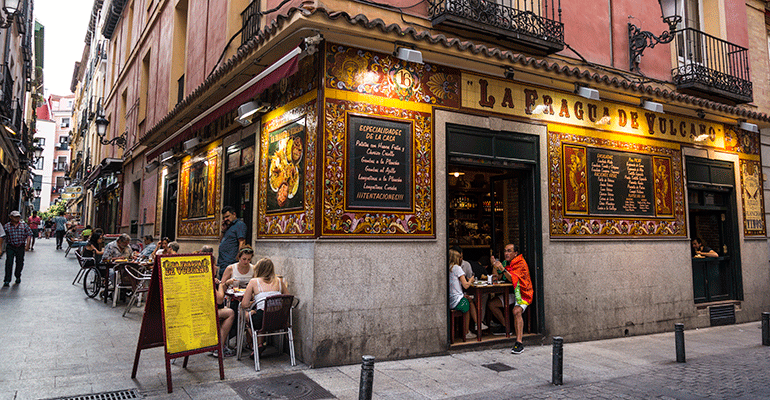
457, 300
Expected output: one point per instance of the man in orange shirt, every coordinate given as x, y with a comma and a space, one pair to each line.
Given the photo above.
515, 270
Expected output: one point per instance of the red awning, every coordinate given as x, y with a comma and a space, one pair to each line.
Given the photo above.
286, 66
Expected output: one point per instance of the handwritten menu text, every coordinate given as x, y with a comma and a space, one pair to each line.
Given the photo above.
619, 183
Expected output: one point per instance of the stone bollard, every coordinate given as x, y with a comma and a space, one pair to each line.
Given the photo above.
558, 361
367, 378
766, 329
679, 338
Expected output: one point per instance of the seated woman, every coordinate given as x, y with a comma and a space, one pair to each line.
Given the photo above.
264, 284
160, 248
173, 248
457, 300
238, 274
94, 247
226, 317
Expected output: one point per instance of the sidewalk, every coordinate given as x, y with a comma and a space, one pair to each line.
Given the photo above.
56, 342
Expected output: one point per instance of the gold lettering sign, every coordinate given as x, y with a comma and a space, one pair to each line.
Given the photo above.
489, 94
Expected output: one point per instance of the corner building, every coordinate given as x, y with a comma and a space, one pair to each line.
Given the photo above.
355, 165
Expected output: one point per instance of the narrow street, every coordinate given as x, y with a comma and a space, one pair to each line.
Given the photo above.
57, 343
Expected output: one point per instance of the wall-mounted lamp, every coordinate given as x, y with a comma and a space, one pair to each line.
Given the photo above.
652, 106
457, 174
539, 109
151, 166
588, 93
700, 113
190, 145
701, 138
67, 180
639, 40
10, 8
408, 55
605, 120
166, 156
38, 191
748, 126
101, 130
248, 109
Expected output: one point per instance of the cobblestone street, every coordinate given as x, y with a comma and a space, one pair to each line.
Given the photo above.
56, 342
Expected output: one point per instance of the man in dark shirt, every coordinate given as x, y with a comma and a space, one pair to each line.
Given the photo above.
17, 237
700, 250
233, 238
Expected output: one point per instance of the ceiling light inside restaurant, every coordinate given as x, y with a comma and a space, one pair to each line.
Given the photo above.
747, 126
652, 106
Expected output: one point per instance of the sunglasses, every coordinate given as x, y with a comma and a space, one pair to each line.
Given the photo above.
247, 251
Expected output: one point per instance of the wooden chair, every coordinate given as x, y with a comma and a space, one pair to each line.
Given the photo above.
85, 263
455, 315
276, 320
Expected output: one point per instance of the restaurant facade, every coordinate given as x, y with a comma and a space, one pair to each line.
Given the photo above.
356, 165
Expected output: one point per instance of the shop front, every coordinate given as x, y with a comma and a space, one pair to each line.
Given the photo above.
363, 185
104, 187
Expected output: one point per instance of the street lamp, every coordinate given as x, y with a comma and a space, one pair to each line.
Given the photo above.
67, 180
10, 8
639, 40
37, 192
101, 130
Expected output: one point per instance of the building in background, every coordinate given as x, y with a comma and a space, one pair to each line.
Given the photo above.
359, 141
16, 117
43, 168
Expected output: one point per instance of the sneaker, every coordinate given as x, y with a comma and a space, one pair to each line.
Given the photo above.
228, 352
484, 326
18, 281
6, 284
470, 336
518, 348
498, 330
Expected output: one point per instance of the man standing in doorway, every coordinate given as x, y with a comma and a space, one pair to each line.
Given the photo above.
18, 235
233, 238
515, 270
60, 226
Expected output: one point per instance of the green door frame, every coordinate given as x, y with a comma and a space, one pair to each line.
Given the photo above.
705, 175
480, 147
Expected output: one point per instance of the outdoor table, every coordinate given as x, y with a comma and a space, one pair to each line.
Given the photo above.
480, 288
117, 266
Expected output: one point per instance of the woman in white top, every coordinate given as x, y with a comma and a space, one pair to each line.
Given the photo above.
457, 300
264, 284
238, 275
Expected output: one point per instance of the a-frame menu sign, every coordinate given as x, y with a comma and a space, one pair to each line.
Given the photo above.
181, 310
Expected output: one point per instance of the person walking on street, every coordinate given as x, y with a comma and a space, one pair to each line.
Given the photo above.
18, 235
34, 224
233, 239
60, 225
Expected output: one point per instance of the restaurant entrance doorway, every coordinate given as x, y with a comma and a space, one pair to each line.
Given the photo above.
713, 219
493, 200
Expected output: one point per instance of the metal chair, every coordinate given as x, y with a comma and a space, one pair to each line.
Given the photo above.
85, 263
276, 320
142, 285
74, 244
123, 281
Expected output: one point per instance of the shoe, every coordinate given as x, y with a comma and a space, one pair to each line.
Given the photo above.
228, 352
6, 284
518, 348
484, 326
498, 330
470, 336
18, 281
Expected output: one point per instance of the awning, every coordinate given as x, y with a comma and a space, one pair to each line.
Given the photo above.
286, 66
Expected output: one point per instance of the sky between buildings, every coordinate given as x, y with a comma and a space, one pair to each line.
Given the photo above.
66, 22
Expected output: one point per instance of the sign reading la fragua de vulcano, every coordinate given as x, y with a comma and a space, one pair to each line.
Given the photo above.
379, 169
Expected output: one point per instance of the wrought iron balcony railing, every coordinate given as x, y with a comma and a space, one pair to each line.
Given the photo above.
530, 26
711, 67
250, 18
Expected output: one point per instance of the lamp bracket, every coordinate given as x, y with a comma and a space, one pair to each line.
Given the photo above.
119, 141
638, 40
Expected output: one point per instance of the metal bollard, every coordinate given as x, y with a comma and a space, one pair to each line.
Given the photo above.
558, 361
679, 338
367, 378
766, 329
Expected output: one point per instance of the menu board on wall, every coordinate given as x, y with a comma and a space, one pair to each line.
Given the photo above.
379, 163
620, 183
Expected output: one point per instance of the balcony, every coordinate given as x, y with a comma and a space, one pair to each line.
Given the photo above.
527, 26
712, 68
250, 18
6, 102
